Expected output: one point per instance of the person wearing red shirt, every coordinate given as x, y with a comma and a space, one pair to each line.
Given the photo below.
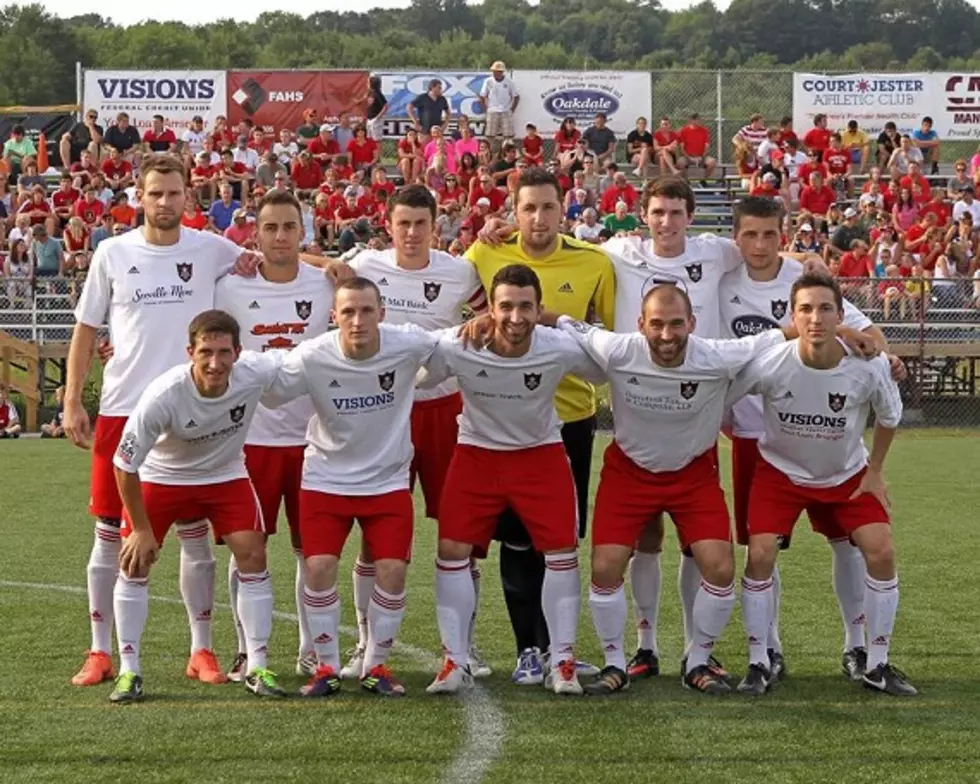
367, 204
159, 138
259, 142
818, 137
695, 138
380, 181
64, 199
335, 199
236, 174
816, 197
938, 207
484, 189
348, 212
786, 133
324, 147
566, 137
362, 151
36, 206
479, 213
305, 172
812, 165
666, 146
915, 176
452, 192
323, 219
837, 159
620, 190
204, 178
341, 170
193, 217
222, 135
918, 232
533, 146
85, 167
766, 185
118, 171
410, 157
89, 208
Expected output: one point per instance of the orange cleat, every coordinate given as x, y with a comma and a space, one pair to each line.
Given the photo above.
203, 666
96, 669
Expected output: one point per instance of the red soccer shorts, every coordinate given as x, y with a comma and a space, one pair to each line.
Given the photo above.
230, 506
325, 522
536, 483
434, 430
629, 497
276, 473
775, 504
104, 500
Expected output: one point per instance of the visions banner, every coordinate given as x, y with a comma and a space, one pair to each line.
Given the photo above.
461, 88
277, 99
177, 95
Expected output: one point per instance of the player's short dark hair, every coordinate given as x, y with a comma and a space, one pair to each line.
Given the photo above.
278, 198
668, 188
658, 288
756, 207
417, 196
816, 280
214, 322
532, 177
519, 275
357, 283
161, 163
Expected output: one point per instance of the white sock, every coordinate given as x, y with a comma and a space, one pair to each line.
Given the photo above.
609, 611
197, 581
777, 591
880, 607
757, 602
560, 600
323, 615
384, 618
305, 640
233, 601
849, 586
132, 603
102, 572
363, 588
255, 610
713, 607
646, 580
688, 583
475, 575
455, 601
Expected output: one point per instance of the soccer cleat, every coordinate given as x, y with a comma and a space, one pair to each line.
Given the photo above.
96, 669
203, 666
306, 664
237, 672
478, 665
777, 665
714, 665
379, 680
644, 664
756, 681
323, 683
583, 668
854, 663
529, 670
609, 681
355, 664
451, 679
707, 679
890, 680
127, 688
564, 679
262, 683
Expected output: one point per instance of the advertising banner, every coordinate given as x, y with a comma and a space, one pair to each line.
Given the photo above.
177, 95
277, 99
461, 88
548, 97
957, 110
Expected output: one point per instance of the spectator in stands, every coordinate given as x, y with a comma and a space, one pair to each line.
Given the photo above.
589, 229
435, 175
499, 97
102, 231
222, 211
601, 140
76, 269
124, 138
117, 171
85, 135
816, 197
959, 182
37, 207
448, 222
817, 138
858, 146
159, 138
667, 148
566, 139
286, 149
786, 133
793, 161
888, 142
18, 272
20, 231
915, 176
46, 254
6, 197
694, 139
269, 167
967, 204
363, 151
443, 145
411, 160
242, 230
621, 220
847, 233
123, 213
376, 109
484, 154
343, 133
306, 172
89, 208
204, 178
29, 180
806, 241
620, 191
84, 167
17, 149
193, 217
192, 140
639, 147
768, 148
906, 153
466, 170
926, 140
751, 135
838, 162
245, 155
856, 263
506, 166
308, 130
54, 429
746, 162
64, 198
235, 173
9, 418
75, 237
324, 147
765, 185
429, 110
905, 212
532, 146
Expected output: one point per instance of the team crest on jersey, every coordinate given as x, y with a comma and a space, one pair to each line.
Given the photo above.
237, 413
386, 380
431, 291
778, 307
689, 389
532, 380
185, 271
304, 309
127, 447
693, 272
836, 402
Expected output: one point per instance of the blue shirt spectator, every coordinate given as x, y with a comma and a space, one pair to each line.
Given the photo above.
221, 213
47, 253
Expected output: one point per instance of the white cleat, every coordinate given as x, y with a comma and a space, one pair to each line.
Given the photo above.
355, 665
564, 679
451, 679
306, 664
478, 665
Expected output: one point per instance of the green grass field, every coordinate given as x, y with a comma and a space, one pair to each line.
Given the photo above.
815, 727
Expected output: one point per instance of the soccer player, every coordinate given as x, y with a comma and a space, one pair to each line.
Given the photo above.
816, 398
361, 381
430, 289
180, 455
286, 303
151, 282
510, 455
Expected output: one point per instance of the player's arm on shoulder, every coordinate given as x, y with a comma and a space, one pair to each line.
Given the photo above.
602, 346
731, 256
736, 354
750, 380
438, 365
291, 379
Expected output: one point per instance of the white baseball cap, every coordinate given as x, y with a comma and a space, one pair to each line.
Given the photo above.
850, 212
806, 227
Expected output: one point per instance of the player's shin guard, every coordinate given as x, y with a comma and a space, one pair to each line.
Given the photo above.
455, 601
688, 583
850, 573
132, 603
255, 610
608, 606
757, 603
363, 588
305, 640
880, 607
522, 575
560, 602
475, 575
101, 574
197, 567
384, 618
323, 616
233, 601
646, 581
713, 607
777, 591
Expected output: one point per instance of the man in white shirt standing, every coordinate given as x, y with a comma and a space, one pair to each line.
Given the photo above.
180, 456
816, 401
499, 97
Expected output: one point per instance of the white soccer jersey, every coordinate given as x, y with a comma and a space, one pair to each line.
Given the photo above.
278, 316
508, 402
666, 417
430, 298
177, 437
151, 294
698, 270
749, 307
815, 419
359, 439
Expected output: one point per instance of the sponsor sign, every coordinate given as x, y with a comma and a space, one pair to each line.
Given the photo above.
957, 115
548, 97
461, 88
870, 98
177, 95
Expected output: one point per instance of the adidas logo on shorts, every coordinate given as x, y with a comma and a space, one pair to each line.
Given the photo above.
254, 305
566, 288
133, 271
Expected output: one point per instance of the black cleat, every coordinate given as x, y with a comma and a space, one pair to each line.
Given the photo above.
854, 663
644, 664
707, 679
890, 680
609, 681
713, 664
777, 666
756, 681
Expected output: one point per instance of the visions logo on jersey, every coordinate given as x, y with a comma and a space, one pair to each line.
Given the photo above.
185, 271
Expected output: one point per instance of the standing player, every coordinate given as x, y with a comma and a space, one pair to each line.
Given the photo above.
181, 455
361, 381
816, 400
285, 304
151, 283
510, 455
